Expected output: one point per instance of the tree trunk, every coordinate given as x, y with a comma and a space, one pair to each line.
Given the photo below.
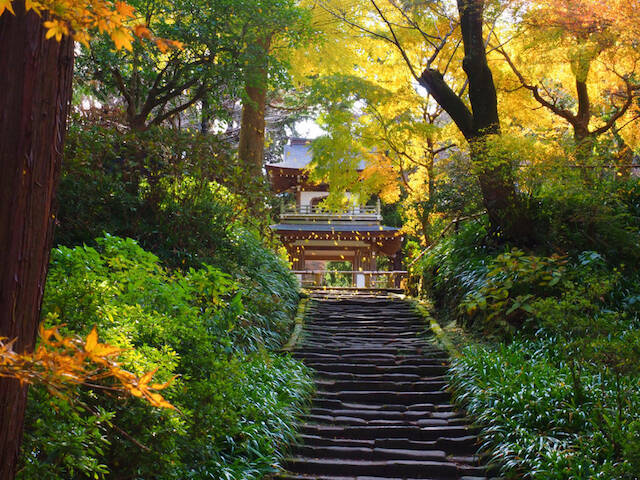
497, 183
205, 115
252, 127
35, 91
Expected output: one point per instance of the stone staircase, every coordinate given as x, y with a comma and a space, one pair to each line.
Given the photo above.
381, 411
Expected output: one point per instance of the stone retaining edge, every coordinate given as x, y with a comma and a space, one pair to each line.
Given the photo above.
299, 324
423, 309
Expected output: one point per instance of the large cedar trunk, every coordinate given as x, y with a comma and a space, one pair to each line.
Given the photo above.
35, 90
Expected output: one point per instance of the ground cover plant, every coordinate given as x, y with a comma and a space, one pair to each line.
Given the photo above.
235, 399
555, 380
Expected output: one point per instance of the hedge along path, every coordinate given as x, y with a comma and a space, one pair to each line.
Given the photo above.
382, 410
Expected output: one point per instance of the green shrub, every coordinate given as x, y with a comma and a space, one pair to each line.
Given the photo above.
514, 281
236, 401
455, 266
573, 217
177, 193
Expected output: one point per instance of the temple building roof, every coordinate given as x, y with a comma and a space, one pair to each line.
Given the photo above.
297, 155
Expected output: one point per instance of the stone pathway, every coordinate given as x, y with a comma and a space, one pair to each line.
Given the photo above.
381, 411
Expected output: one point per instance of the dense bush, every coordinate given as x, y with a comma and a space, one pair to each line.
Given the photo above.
177, 193
454, 266
562, 399
503, 300
572, 217
235, 400
165, 189
556, 383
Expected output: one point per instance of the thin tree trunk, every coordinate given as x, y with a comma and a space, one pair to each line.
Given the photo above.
35, 91
252, 128
205, 115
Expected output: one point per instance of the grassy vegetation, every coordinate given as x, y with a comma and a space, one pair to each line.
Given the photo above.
555, 383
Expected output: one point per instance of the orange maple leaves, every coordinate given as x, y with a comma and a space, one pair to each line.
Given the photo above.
62, 362
81, 17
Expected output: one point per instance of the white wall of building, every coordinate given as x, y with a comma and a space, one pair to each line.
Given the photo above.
306, 197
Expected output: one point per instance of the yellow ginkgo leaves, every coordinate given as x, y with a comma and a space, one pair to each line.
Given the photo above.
62, 362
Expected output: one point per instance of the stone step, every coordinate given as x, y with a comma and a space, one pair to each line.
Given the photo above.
365, 330
419, 469
388, 377
385, 396
372, 368
368, 414
351, 420
357, 384
388, 407
379, 362
370, 350
365, 453
371, 432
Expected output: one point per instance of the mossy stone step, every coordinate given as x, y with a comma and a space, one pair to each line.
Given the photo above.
381, 410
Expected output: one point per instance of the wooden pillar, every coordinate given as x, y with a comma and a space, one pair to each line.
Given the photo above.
373, 281
298, 197
397, 265
366, 265
301, 258
355, 265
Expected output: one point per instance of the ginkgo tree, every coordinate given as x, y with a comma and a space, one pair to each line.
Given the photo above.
444, 50
578, 61
37, 41
372, 109
400, 134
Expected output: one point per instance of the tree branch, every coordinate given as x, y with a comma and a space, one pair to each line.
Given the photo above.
562, 112
435, 84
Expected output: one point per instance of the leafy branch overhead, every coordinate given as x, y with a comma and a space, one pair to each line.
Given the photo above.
61, 363
81, 19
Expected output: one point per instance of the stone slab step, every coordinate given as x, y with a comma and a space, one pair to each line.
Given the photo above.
384, 396
368, 432
361, 384
364, 453
368, 414
372, 368
382, 468
351, 420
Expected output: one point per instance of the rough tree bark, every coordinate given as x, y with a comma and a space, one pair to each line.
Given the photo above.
35, 91
252, 126
497, 184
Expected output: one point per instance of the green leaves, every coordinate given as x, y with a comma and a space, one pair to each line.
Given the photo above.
523, 395
237, 400
513, 282
217, 37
